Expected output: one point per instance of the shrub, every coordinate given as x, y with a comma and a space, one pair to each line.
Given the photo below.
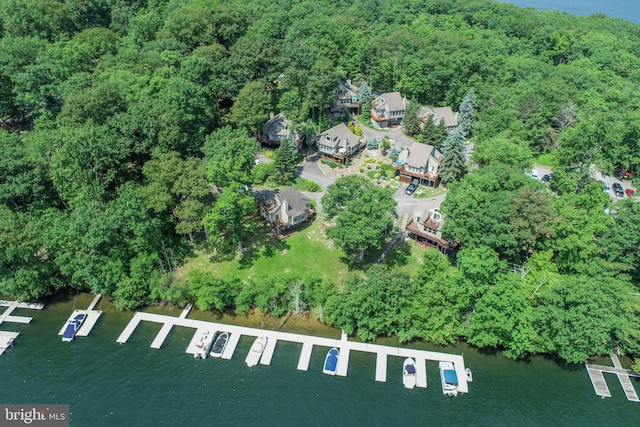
361, 170
333, 165
311, 186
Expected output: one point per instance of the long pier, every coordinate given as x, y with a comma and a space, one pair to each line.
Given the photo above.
596, 375
308, 342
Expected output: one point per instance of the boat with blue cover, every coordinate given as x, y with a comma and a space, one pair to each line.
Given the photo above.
409, 373
331, 362
449, 378
73, 326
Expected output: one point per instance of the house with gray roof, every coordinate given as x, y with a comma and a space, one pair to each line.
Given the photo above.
387, 109
277, 129
339, 143
346, 99
285, 208
419, 161
438, 114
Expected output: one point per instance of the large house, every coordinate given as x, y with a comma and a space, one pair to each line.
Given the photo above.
346, 99
339, 143
419, 161
285, 208
387, 109
277, 129
426, 228
438, 114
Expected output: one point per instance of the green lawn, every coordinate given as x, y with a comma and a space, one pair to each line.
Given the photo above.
547, 159
306, 254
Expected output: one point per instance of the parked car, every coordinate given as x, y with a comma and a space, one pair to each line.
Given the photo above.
411, 188
617, 189
605, 186
546, 178
534, 174
629, 192
620, 173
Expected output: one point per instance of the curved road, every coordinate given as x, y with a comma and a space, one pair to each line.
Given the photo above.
406, 204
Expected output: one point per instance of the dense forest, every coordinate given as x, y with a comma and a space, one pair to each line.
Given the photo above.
120, 119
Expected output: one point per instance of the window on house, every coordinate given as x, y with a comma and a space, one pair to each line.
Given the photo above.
327, 137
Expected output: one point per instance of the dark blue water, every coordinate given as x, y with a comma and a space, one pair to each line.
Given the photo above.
624, 9
111, 384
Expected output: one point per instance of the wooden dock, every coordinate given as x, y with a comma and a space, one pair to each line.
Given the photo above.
12, 305
89, 322
308, 342
6, 340
596, 374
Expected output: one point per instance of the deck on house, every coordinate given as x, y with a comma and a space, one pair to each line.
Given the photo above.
308, 342
596, 374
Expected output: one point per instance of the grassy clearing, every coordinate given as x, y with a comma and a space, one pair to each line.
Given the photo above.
424, 192
305, 254
547, 159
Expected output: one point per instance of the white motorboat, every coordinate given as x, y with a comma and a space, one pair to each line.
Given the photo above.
256, 351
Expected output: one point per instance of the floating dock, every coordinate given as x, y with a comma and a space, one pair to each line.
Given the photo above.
7, 338
89, 321
308, 342
596, 374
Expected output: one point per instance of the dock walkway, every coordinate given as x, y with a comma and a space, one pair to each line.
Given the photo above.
89, 322
7, 338
308, 342
596, 374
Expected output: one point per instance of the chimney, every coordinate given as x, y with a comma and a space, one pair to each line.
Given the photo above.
271, 115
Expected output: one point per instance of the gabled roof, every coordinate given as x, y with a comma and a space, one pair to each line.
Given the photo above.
417, 155
339, 135
296, 201
439, 113
350, 90
393, 100
279, 118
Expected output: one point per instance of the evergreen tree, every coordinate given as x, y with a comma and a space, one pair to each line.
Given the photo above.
434, 134
454, 158
285, 161
411, 122
364, 94
468, 112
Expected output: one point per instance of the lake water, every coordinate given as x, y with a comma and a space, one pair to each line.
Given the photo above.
111, 384
625, 9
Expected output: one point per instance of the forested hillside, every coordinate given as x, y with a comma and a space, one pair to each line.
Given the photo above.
119, 119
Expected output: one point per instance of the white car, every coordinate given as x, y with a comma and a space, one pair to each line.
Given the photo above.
534, 174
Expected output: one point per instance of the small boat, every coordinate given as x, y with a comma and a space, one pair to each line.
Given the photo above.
331, 362
219, 345
409, 373
73, 326
204, 346
469, 375
449, 378
256, 351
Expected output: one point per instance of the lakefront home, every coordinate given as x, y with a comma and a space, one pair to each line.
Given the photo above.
277, 129
419, 161
387, 109
346, 99
439, 114
425, 228
285, 208
339, 143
